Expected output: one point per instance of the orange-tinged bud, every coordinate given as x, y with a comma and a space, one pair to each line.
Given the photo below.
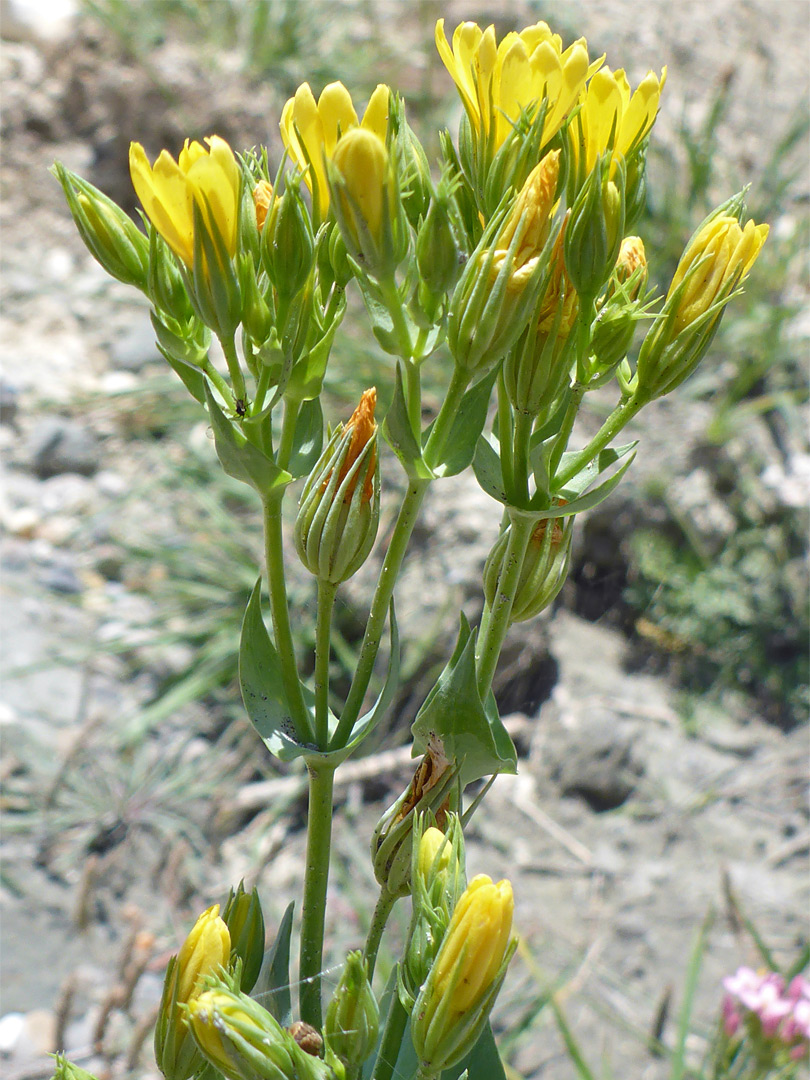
559, 291
262, 200
632, 257
363, 428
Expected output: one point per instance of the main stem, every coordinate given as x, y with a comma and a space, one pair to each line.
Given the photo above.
282, 631
491, 642
323, 626
408, 513
319, 842
395, 1024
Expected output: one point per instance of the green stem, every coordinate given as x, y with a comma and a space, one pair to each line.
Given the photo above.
413, 396
234, 368
319, 840
214, 376
323, 626
504, 427
277, 587
491, 641
623, 413
393, 305
521, 437
564, 434
382, 910
447, 414
285, 445
395, 1024
262, 386
408, 513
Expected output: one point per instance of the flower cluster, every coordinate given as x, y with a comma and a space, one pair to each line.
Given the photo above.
773, 1016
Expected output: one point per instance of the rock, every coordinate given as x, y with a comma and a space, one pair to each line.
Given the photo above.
9, 403
135, 348
62, 578
63, 446
598, 764
109, 561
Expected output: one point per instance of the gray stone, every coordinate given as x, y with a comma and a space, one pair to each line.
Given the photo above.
136, 347
599, 766
8, 403
62, 579
63, 446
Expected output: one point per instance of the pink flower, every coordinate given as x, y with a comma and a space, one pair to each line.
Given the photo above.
731, 1018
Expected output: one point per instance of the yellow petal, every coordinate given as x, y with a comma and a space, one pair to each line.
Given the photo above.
375, 118
166, 198
337, 114
189, 154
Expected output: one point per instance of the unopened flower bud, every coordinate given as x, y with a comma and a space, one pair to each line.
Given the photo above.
245, 1042
111, 236
392, 842
366, 202
66, 1070
631, 267
340, 505
716, 261
353, 1016
498, 289
288, 245
468, 972
545, 567
438, 257
243, 917
596, 229
206, 949
264, 201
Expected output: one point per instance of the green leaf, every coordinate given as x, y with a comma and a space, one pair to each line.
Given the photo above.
487, 468
192, 378
382, 323
591, 498
272, 989
473, 735
262, 685
482, 1063
399, 434
240, 458
467, 427
583, 480
306, 378
678, 1064
308, 438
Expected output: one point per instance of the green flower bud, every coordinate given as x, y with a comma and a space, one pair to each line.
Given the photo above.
545, 567
188, 342
412, 165
438, 256
432, 789
204, 952
66, 1070
353, 1016
165, 284
288, 244
340, 505
111, 236
596, 228
438, 881
245, 1042
243, 917
257, 318
465, 979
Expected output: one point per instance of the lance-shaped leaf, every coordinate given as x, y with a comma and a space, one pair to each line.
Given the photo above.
472, 733
487, 468
401, 437
262, 685
240, 458
580, 483
308, 438
272, 987
459, 448
306, 377
192, 378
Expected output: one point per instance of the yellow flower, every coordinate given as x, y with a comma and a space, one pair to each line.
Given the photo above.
529, 221
205, 950
632, 257
263, 200
434, 841
169, 189
559, 288
362, 160
497, 81
607, 103
311, 130
716, 260
363, 429
476, 943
